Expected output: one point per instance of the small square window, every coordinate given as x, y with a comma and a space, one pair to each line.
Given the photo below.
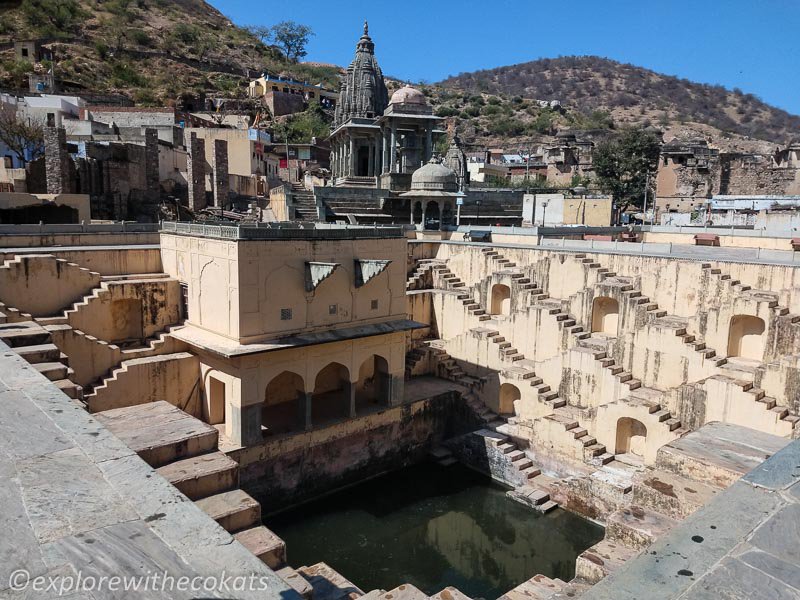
286, 314
333, 309
374, 305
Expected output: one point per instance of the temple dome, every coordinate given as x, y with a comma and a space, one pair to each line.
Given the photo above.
408, 95
363, 93
434, 177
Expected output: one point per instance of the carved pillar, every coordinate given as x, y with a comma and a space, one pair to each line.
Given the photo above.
378, 157
370, 160
424, 210
411, 210
352, 163
393, 149
385, 153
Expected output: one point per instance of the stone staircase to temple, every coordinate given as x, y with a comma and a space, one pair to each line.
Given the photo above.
305, 205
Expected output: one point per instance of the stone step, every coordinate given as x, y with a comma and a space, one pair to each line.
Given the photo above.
70, 388
404, 592
670, 494
159, 432
531, 472
40, 353
515, 455
538, 587
53, 370
234, 510
506, 447
637, 527
448, 593
329, 584
295, 581
523, 464
202, 476
600, 560
24, 333
546, 507
267, 546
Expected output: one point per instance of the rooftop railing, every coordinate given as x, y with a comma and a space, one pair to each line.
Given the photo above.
281, 231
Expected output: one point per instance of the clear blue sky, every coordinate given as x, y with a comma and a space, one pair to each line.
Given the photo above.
750, 44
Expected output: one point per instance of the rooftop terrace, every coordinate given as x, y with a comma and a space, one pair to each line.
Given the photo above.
281, 231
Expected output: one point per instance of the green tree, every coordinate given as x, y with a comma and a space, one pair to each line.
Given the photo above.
292, 38
623, 164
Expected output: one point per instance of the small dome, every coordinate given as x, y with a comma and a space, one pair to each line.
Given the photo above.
434, 176
408, 95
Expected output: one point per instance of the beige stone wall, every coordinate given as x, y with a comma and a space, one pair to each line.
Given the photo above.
239, 289
106, 261
42, 285
725, 241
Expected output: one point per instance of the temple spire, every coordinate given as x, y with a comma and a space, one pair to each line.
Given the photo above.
366, 27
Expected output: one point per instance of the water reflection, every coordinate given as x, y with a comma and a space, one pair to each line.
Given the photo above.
433, 527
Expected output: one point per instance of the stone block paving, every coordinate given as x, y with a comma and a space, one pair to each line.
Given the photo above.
744, 544
74, 500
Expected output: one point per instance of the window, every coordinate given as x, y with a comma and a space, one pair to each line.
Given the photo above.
374, 305
25, 52
286, 314
333, 309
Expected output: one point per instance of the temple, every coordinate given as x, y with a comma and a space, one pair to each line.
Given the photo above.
377, 141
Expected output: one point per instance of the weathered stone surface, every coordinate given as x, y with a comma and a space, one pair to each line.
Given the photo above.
74, 499
264, 544
327, 583
196, 172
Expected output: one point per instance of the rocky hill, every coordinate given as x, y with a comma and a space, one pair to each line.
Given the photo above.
153, 51
632, 95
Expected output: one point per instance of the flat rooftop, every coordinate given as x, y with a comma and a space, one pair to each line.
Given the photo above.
281, 231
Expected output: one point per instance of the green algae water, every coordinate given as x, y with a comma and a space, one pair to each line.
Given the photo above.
433, 526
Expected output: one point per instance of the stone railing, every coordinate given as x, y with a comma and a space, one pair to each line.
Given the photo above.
269, 231
41, 228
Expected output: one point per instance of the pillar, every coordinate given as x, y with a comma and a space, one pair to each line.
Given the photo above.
378, 157
304, 410
56, 160
393, 149
352, 162
425, 208
370, 160
397, 390
411, 207
151, 171
196, 172
385, 153
220, 173
350, 394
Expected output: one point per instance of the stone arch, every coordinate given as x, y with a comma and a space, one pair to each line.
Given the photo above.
605, 315
284, 399
332, 392
500, 301
746, 337
508, 394
416, 212
374, 384
631, 436
432, 215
